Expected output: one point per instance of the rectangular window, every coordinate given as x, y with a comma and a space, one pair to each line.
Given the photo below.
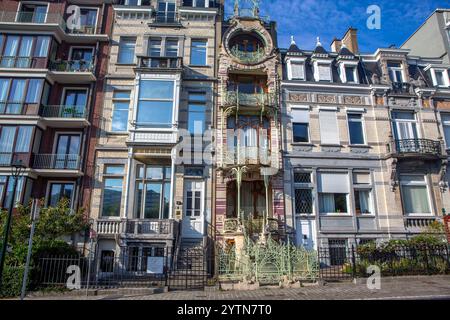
59, 191
404, 124
197, 113
7, 184
166, 12
297, 71
14, 140
154, 47
152, 192
155, 105
303, 193
171, 48
121, 105
199, 52
446, 126
324, 72
333, 193
329, 131
415, 195
32, 13
127, 47
300, 125
441, 78
395, 72
362, 189
355, 128
112, 197
350, 74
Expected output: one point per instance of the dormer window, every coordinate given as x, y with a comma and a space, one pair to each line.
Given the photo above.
322, 72
350, 74
348, 71
440, 77
296, 68
396, 72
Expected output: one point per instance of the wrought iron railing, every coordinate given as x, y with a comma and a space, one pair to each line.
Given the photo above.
248, 57
57, 161
160, 62
72, 66
400, 88
166, 17
233, 98
247, 155
417, 146
63, 111
149, 227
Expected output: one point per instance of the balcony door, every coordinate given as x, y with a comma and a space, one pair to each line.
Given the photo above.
74, 104
32, 13
166, 11
193, 219
405, 127
67, 151
82, 59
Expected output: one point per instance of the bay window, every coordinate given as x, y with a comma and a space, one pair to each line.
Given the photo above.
152, 192
333, 193
156, 103
415, 195
14, 139
17, 94
18, 51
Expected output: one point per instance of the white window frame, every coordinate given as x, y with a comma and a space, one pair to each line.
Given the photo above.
445, 123
303, 186
19, 9
395, 123
401, 69
363, 124
364, 187
421, 184
445, 74
112, 176
299, 61
194, 4
347, 197
343, 73
316, 66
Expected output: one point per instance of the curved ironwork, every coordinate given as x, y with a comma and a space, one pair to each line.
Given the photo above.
232, 98
418, 146
248, 57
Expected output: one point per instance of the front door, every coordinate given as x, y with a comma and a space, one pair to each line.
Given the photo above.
193, 220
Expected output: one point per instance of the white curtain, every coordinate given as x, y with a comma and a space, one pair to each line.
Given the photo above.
415, 199
326, 203
364, 201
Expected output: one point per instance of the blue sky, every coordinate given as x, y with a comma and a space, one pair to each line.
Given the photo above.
307, 19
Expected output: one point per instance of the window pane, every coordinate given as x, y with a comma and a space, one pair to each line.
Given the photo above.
121, 95
349, 74
166, 200
415, 199
198, 52
152, 200
34, 88
112, 197
120, 116
156, 90
297, 71
42, 46
114, 169
333, 203
300, 131
154, 173
196, 117
303, 201
355, 129
362, 201
24, 139
155, 113
126, 50
155, 47
440, 78
172, 48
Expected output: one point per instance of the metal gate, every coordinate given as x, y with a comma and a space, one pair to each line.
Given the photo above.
189, 270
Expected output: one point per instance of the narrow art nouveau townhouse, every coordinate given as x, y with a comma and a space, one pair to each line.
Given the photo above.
364, 153
152, 196
249, 181
52, 64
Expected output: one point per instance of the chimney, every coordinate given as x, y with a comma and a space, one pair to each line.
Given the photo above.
350, 39
336, 45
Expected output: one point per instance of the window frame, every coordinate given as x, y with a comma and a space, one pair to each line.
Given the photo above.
423, 183
363, 131
369, 187
445, 123
395, 70
303, 186
202, 103
206, 51
106, 176
61, 182
445, 77
115, 100
120, 45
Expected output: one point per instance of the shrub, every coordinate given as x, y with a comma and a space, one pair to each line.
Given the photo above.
12, 281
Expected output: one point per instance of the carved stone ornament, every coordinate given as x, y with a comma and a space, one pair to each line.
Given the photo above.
322, 98
353, 100
298, 97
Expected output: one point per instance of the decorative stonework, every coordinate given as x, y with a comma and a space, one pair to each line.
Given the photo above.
357, 100
298, 97
323, 98
442, 104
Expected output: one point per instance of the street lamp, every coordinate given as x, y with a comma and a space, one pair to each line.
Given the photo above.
16, 172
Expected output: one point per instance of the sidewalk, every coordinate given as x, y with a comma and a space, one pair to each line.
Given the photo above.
422, 287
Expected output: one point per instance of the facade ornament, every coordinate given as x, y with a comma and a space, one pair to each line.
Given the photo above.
394, 175
375, 79
442, 183
292, 40
318, 42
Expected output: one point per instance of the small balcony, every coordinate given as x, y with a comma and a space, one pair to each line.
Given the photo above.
248, 57
23, 19
138, 228
166, 19
72, 71
8, 62
247, 156
67, 165
12, 109
418, 224
152, 137
256, 100
416, 148
401, 88
64, 116
160, 63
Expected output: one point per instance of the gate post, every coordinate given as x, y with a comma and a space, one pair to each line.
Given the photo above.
353, 262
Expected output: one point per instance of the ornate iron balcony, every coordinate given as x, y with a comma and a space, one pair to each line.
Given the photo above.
246, 57
401, 88
233, 98
417, 146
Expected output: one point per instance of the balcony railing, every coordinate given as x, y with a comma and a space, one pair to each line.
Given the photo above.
86, 29
166, 17
233, 98
160, 62
149, 227
400, 88
413, 223
22, 62
63, 111
31, 17
416, 146
8, 158
72, 66
247, 155
57, 161
18, 108
108, 227
248, 57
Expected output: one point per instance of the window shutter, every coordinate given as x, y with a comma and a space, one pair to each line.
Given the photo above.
361, 178
298, 71
300, 116
333, 183
329, 133
324, 72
